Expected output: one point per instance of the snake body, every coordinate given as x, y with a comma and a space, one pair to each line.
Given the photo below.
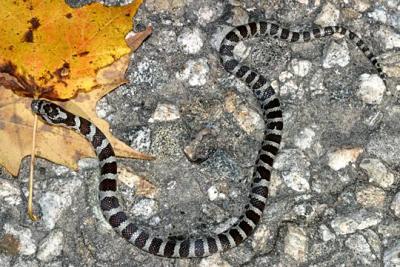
272, 114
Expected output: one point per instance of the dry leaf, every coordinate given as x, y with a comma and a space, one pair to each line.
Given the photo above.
56, 144
53, 50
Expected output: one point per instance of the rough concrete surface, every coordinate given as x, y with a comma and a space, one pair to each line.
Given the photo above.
334, 198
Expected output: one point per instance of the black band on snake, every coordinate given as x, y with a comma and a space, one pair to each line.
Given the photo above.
253, 211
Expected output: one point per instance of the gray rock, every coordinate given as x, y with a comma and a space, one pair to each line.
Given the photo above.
377, 172
329, 15
360, 220
395, 206
195, 72
296, 242
337, 54
191, 40
360, 247
27, 245
391, 257
51, 246
371, 89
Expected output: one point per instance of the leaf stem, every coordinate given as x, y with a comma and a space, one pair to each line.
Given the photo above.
32, 216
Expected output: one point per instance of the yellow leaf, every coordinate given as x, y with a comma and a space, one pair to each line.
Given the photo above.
54, 50
56, 144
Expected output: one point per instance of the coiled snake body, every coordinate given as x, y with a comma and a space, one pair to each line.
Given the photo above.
272, 114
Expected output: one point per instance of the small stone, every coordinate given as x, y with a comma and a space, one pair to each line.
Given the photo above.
329, 16
165, 112
391, 256
336, 54
9, 193
51, 246
206, 15
195, 72
249, 119
340, 158
304, 139
214, 261
241, 51
388, 37
362, 5
296, 243
294, 168
379, 15
360, 220
326, 234
191, 40
260, 237
214, 194
164, 5
145, 208
142, 186
371, 88
360, 247
377, 172
395, 206
239, 16
24, 235
371, 196
300, 67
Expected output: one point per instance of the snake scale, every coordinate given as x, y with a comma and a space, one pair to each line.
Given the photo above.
272, 114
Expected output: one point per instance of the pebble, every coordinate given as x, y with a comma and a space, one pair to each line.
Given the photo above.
51, 246
294, 168
362, 5
377, 172
395, 206
165, 112
145, 208
300, 67
248, 119
371, 88
388, 37
326, 234
53, 204
24, 236
289, 86
359, 245
191, 40
260, 237
195, 72
239, 16
378, 14
296, 243
164, 5
206, 14
359, 220
336, 54
304, 139
9, 193
340, 158
328, 16
141, 185
214, 194
371, 197
213, 261
391, 256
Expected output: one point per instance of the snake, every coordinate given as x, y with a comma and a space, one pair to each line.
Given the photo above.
264, 91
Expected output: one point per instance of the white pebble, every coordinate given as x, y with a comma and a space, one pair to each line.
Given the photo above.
326, 234
300, 67
395, 206
296, 243
51, 246
165, 112
195, 72
388, 37
340, 158
371, 88
329, 16
305, 138
336, 54
378, 15
213, 194
145, 208
377, 172
191, 41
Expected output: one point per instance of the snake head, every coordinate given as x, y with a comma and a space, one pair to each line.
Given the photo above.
50, 112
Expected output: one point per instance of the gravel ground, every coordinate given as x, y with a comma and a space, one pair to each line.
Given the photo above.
335, 197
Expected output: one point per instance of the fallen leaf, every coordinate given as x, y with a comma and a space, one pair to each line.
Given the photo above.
55, 56
56, 144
